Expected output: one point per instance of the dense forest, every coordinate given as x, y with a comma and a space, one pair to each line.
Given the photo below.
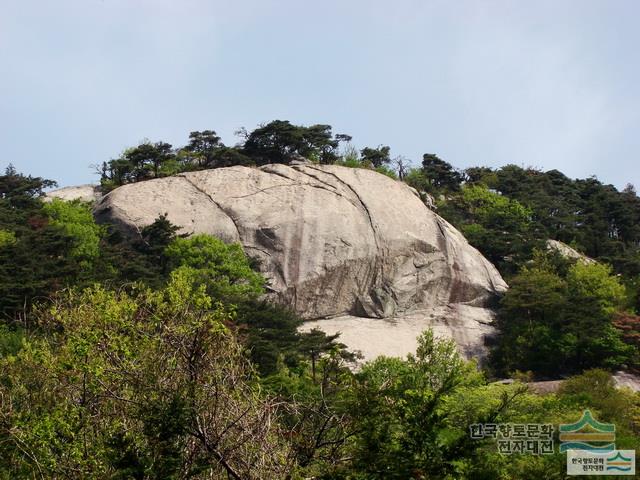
156, 357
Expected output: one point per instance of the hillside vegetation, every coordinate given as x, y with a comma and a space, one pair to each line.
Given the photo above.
156, 357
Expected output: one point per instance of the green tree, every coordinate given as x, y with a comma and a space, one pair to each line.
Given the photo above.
595, 295
441, 175
148, 159
501, 228
376, 157
481, 175
223, 268
271, 333
143, 162
155, 238
75, 218
36, 255
204, 147
530, 323
280, 141
350, 157
316, 417
416, 178
315, 343
19, 191
551, 323
402, 427
596, 218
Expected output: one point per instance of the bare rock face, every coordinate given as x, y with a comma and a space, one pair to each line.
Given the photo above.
396, 336
86, 193
332, 242
568, 252
627, 380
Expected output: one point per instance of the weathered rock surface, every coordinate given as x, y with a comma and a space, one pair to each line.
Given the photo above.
466, 324
627, 380
568, 252
333, 242
86, 193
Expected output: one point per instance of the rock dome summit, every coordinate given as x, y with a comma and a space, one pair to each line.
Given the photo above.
350, 250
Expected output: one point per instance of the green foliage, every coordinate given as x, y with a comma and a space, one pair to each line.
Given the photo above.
592, 217
497, 403
496, 225
35, 256
7, 237
317, 419
144, 386
594, 295
547, 319
595, 390
280, 141
271, 334
494, 210
350, 162
628, 325
22, 192
530, 318
598, 219
10, 340
441, 176
223, 268
401, 426
145, 161
155, 238
481, 175
76, 220
205, 150
315, 343
416, 178
376, 157
125, 259
594, 283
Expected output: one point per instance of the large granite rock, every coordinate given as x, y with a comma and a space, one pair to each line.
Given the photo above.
333, 242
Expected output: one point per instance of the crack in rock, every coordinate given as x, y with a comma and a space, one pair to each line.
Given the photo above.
217, 204
364, 205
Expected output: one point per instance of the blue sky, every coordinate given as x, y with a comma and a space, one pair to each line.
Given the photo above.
549, 84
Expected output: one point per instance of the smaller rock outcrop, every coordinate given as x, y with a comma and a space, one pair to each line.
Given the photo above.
568, 252
86, 193
627, 380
